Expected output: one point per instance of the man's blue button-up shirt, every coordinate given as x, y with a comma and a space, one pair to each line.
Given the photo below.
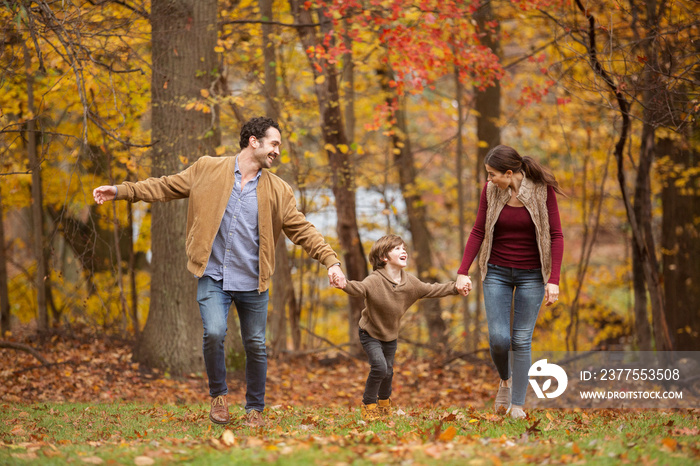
234, 254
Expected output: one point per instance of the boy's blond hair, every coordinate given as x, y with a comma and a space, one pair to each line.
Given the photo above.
380, 250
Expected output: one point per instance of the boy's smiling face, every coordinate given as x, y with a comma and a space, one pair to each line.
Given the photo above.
398, 257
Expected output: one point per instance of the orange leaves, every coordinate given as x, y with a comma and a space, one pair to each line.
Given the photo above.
98, 372
307, 414
669, 443
535, 93
448, 434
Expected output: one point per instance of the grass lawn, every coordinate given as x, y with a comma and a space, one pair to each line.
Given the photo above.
137, 433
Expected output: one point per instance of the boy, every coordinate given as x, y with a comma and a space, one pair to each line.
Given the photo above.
388, 291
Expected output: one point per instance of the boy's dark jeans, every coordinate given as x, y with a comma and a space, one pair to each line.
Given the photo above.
381, 361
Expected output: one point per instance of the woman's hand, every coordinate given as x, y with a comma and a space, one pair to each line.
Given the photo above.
463, 284
551, 293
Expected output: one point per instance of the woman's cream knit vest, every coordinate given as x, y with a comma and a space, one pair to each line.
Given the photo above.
534, 197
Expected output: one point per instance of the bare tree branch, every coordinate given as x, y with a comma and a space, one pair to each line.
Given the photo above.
25, 348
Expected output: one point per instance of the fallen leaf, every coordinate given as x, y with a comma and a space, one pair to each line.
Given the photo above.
670, 443
254, 442
434, 451
227, 438
533, 429
448, 434
92, 460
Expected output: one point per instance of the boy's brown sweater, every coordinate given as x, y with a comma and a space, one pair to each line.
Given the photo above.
387, 301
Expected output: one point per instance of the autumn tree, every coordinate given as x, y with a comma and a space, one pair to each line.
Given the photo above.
48, 46
184, 36
487, 103
680, 247
4, 295
41, 280
407, 32
653, 90
317, 37
283, 299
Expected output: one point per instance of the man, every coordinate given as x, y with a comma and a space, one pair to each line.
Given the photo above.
235, 214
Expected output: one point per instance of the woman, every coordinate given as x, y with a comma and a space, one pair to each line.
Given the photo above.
518, 224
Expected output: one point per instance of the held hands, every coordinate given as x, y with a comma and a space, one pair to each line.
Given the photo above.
463, 284
551, 293
104, 193
336, 277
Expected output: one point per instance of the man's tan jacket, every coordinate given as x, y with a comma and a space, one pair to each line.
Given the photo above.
208, 183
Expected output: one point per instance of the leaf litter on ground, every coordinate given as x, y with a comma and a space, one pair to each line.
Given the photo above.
93, 403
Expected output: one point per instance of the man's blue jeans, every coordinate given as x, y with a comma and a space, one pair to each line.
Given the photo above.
502, 286
214, 304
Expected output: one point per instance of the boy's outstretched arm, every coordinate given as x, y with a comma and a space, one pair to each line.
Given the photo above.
438, 290
355, 288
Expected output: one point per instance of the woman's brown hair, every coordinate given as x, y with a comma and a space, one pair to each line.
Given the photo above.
504, 158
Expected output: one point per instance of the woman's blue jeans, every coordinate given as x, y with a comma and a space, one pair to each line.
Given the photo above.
381, 367
214, 304
503, 286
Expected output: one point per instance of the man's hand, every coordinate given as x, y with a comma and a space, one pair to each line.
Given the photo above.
336, 277
104, 193
463, 284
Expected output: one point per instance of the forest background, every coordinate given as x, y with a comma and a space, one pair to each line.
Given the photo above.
387, 109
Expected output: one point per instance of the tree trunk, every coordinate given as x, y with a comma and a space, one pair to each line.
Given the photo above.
488, 110
642, 330
417, 219
118, 254
183, 41
282, 287
590, 219
640, 226
132, 276
469, 336
349, 84
37, 202
4, 295
643, 193
680, 245
339, 156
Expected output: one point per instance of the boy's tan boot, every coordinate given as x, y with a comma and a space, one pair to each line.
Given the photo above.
385, 407
369, 412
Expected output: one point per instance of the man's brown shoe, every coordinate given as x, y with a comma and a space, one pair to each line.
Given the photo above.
254, 419
219, 410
